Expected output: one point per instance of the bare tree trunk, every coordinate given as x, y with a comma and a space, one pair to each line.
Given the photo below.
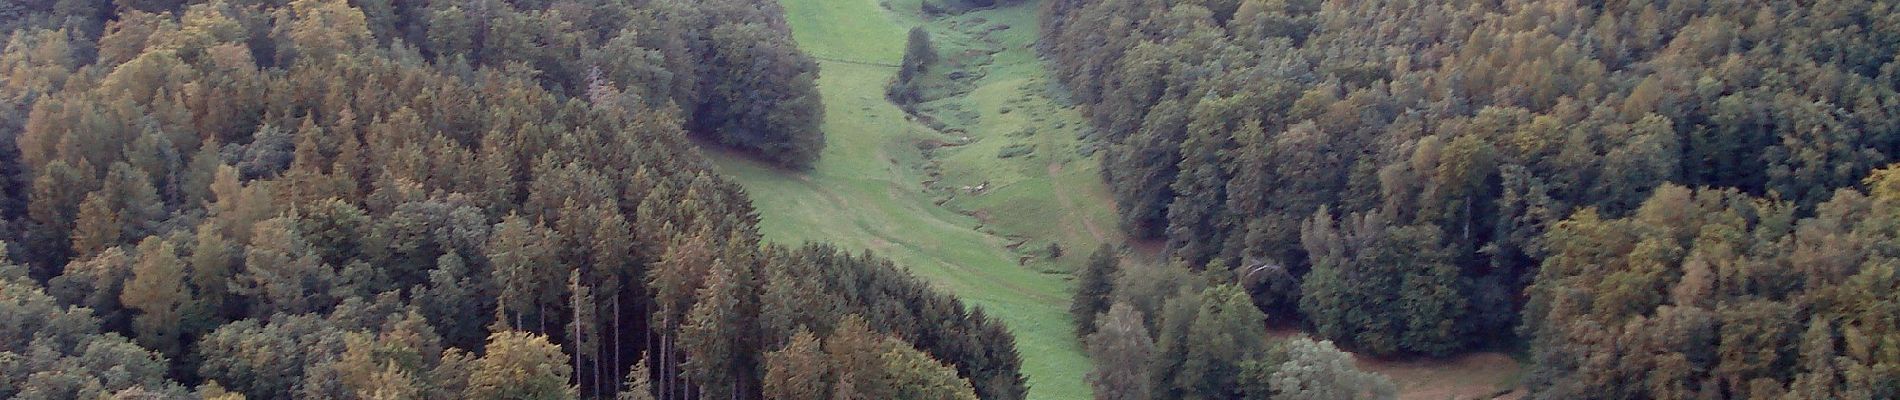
666, 357
615, 367
574, 299
650, 346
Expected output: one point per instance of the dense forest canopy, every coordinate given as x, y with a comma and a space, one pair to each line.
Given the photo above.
1666, 199
433, 199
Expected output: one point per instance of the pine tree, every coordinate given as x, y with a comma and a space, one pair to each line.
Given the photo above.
520, 365
914, 375
798, 371
673, 281
212, 259
133, 198
57, 197
448, 298
157, 290
1173, 344
523, 256
853, 352
919, 53
639, 385
1227, 331
583, 329
282, 274
709, 337
97, 226
1094, 288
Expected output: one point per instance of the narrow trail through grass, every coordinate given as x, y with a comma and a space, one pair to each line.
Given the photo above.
876, 188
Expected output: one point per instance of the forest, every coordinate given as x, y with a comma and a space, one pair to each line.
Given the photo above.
452, 199
1652, 199
537, 199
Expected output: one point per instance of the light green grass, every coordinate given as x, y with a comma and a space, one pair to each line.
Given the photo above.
867, 191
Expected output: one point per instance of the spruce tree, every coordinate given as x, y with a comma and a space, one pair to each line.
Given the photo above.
710, 337
1227, 331
639, 386
799, 371
1095, 286
520, 365
157, 290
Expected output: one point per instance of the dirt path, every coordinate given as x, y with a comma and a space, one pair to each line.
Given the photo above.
1068, 205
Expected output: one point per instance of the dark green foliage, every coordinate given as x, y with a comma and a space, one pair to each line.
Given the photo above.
761, 95
896, 303
1016, 150
389, 199
1387, 290
1227, 331
1094, 289
267, 359
919, 53
919, 56
1176, 318
1229, 122
1214, 345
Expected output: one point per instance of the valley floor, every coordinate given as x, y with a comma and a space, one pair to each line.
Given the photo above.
877, 188
974, 202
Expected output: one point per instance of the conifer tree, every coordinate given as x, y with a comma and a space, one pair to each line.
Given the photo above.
520, 365
798, 371
157, 290
638, 385
1095, 286
523, 256
710, 336
1227, 331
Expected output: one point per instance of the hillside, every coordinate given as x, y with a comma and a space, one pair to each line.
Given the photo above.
868, 191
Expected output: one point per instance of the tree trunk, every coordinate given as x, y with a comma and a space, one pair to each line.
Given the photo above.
666, 358
615, 367
575, 301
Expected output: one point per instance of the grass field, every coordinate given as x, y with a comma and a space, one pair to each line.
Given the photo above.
869, 190
878, 189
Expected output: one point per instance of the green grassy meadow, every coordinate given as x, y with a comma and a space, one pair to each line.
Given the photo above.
870, 190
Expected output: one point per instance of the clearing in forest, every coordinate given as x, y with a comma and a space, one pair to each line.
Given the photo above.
886, 184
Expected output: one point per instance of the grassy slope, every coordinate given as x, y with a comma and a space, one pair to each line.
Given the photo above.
868, 192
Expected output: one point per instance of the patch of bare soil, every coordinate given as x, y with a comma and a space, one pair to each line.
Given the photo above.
1471, 376
1485, 375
